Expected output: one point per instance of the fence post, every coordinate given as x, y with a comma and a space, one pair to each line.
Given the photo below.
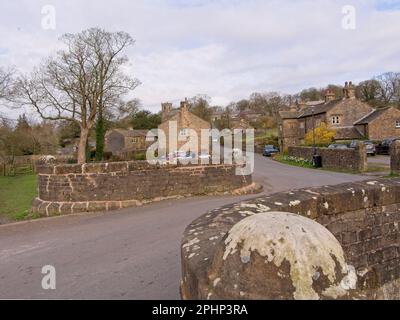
395, 157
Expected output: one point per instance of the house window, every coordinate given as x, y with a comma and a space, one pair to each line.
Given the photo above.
184, 132
301, 125
335, 120
397, 123
135, 140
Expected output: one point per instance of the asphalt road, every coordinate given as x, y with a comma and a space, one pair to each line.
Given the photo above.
129, 254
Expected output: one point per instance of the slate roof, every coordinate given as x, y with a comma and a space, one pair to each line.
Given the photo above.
289, 114
130, 133
345, 133
319, 108
372, 116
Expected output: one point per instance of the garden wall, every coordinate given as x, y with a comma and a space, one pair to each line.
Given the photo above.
350, 159
231, 252
67, 189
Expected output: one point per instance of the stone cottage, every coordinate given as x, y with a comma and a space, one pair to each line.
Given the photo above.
349, 117
185, 122
119, 141
380, 123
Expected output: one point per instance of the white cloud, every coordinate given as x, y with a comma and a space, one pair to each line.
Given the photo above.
226, 49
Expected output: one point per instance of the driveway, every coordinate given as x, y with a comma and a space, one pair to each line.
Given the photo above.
379, 165
380, 160
130, 254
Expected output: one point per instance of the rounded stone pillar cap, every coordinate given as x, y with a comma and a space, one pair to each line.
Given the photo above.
315, 259
268, 255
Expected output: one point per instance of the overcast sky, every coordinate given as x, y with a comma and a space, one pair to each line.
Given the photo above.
226, 49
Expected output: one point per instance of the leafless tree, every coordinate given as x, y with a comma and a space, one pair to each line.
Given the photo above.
389, 88
80, 81
6, 81
128, 108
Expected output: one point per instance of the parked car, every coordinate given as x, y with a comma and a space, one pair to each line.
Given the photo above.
204, 155
384, 146
338, 146
184, 155
369, 146
270, 150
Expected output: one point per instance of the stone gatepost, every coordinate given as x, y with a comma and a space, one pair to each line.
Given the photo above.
395, 157
361, 157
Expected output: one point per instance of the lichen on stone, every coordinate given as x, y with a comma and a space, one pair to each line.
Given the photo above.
307, 247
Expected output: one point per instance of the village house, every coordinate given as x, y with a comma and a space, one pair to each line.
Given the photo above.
349, 117
238, 120
120, 141
185, 122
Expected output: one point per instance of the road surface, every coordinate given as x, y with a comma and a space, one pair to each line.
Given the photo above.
130, 254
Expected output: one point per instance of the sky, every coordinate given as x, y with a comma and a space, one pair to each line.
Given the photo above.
225, 49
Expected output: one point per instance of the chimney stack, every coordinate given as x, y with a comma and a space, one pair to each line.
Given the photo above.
166, 108
329, 95
349, 90
302, 104
185, 105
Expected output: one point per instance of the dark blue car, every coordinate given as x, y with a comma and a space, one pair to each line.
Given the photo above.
269, 151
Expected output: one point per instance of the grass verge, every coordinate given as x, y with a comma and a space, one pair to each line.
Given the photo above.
16, 195
298, 162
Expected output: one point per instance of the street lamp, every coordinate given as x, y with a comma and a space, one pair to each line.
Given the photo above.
313, 130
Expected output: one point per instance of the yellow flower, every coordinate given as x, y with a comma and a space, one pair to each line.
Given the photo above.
323, 135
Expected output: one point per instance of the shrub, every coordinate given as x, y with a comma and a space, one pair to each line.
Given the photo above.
323, 136
140, 156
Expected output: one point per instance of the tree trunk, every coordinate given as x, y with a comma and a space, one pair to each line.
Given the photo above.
100, 133
82, 145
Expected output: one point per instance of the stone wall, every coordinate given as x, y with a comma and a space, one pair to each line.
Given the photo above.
348, 159
254, 250
67, 189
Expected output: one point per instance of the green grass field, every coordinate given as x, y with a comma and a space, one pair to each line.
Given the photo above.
16, 195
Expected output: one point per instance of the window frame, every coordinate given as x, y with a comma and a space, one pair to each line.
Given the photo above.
135, 140
335, 120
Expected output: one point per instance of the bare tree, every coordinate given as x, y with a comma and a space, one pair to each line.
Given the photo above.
389, 88
200, 106
6, 82
80, 81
